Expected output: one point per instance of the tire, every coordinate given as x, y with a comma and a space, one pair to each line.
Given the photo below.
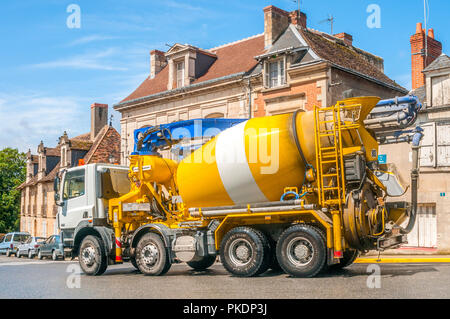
202, 264
18, 254
348, 258
8, 253
152, 256
54, 255
30, 255
40, 255
91, 256
273, 264
301, 251
245, 252
134, 263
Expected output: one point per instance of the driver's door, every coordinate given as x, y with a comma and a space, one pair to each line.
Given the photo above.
74, 199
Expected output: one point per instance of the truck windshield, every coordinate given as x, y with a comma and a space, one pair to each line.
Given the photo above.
115, 183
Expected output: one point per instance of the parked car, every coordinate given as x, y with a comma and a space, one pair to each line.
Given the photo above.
30, 247
52, 246
11, 241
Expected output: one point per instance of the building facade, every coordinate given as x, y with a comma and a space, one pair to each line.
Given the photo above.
432, 86
100, 145
287, 67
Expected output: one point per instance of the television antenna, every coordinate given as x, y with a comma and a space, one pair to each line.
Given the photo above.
329, 20
298, 6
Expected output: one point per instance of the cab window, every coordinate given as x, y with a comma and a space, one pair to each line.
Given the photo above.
74, 185
8, 238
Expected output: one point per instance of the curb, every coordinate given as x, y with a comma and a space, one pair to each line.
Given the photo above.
400, 260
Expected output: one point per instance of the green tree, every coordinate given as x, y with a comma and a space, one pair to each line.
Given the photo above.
12, 174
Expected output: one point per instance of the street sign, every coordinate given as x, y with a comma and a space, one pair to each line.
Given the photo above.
382, 159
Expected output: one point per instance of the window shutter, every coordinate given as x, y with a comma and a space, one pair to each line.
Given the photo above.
283, 71
443, 144
427, 154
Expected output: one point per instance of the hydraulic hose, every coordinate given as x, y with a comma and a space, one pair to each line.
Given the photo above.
414, 178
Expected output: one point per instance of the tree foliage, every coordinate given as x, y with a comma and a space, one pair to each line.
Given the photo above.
12, 174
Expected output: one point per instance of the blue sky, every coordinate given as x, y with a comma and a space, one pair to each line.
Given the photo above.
50, 74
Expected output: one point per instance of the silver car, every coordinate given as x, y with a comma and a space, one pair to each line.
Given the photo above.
11, 241
29, 248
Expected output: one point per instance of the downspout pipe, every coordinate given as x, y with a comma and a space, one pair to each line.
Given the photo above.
414, 179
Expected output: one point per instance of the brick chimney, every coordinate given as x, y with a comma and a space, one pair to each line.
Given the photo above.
157, 62
99, 118
347, 38
277, 20
298, 19
418, 61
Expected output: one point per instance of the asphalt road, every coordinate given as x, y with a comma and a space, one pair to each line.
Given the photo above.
23, 278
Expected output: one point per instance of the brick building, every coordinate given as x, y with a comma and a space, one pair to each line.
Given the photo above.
288, 66
100, 145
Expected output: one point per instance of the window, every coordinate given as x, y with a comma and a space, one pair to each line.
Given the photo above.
74, 184
440, 90
8, 238
180, 74
21, 237
275, 73
435, 145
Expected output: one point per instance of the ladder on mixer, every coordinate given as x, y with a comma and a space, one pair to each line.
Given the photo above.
331, 184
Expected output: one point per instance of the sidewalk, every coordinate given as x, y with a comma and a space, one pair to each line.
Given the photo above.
406, 259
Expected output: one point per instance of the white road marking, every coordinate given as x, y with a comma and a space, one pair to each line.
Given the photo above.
22, 263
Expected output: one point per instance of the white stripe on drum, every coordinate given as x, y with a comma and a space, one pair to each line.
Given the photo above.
233, 167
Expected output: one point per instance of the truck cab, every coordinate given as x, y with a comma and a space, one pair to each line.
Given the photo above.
82, 194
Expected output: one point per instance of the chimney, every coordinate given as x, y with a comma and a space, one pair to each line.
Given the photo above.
347, 38
275, 22
418, 61
157, 62
298, 19
99, 118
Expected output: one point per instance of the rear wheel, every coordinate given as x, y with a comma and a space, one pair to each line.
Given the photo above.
91, 256
203, 263
245, 252
152, 256
40, 255
348, 258
8, 253
301, 251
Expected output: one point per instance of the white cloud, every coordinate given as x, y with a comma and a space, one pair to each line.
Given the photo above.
29, 118
91, 38
92, 61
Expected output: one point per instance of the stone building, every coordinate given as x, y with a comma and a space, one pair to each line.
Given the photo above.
431, 83
100, 145
287, 67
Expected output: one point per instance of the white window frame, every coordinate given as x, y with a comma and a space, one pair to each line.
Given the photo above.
435, 146
180, 81
280, 78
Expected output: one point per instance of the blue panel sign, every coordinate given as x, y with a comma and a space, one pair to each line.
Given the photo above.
382, 159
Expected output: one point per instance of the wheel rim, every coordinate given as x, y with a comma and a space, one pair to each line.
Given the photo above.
300, 251
150, 255
88, 256
29, 254
240, 252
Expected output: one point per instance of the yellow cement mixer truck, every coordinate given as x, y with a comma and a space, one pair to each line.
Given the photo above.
303, 192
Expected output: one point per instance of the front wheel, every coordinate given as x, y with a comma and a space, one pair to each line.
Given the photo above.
91, 256
40, 255
203, 263
301, 251
8, 253
54, 255
152, 257
18, 254
30, 255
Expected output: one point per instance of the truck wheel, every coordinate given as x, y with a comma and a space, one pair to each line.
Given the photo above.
348, 258
203, 263
91, 256
152, 257
245, 252
134, 263
301, 251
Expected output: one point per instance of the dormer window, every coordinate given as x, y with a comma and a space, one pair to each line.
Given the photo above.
275, 73
180, 74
